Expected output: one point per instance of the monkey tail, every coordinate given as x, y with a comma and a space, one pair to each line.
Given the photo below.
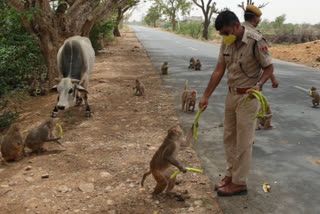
186, 85
144, 177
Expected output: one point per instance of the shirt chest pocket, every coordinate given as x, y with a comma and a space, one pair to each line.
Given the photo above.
227, 57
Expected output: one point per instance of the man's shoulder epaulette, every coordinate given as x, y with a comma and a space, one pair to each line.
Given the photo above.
254, 35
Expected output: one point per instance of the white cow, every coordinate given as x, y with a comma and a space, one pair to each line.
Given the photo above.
75, 61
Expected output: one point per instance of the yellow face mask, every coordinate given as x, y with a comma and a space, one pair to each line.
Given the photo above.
228, 40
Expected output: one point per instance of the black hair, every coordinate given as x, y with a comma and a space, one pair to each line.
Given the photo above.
248, 15
226, 18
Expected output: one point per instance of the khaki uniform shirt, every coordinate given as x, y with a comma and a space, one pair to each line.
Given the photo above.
244, 63
247, 25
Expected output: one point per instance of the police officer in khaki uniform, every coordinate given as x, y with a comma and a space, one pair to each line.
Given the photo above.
252, 17
245, 71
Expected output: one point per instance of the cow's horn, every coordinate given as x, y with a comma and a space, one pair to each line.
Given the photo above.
57, 79
75, 81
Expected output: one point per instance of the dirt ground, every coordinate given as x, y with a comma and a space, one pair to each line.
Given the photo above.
100, 167
306, 53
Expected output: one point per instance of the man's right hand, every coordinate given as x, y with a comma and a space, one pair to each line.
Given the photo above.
275, 84
203, 102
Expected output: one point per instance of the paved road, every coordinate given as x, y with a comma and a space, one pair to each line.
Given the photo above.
282, 157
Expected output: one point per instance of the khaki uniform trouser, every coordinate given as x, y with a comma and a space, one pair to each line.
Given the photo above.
239, 130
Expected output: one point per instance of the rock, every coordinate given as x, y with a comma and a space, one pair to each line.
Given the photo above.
29, 179
87, 187
112, 212
152, 148
318, 59
157, 202
191, 209
1, 170
63, 189
142, 190
108, 188
28, 168
198, 203
110, 202
105, 174
46, 175
12, 183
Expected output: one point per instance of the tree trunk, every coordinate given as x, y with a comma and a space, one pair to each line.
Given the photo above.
205, 31
116, 31
173, 22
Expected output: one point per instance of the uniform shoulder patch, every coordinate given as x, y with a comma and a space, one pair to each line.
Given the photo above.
254, 35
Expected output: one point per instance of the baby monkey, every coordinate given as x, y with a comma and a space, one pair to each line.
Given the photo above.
41, 134
139, 88
163, 158
164, 68
12, 148
192, 63
197, 66
315, 95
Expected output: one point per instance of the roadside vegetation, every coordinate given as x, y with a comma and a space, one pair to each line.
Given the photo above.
276, 31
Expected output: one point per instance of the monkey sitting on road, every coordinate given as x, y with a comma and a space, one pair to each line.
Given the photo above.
139, 88
192, 63
164, 68
197, 66
41, 134
12, 147
316, 97
163, 158
188, 98
265, 122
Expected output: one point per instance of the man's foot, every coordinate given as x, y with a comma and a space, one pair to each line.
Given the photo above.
232, 189
224, 182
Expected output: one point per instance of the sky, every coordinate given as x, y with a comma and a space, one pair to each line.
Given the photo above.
296, 11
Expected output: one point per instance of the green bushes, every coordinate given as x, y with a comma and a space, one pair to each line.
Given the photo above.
20, 56
193, 29
100, 32
20, 59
